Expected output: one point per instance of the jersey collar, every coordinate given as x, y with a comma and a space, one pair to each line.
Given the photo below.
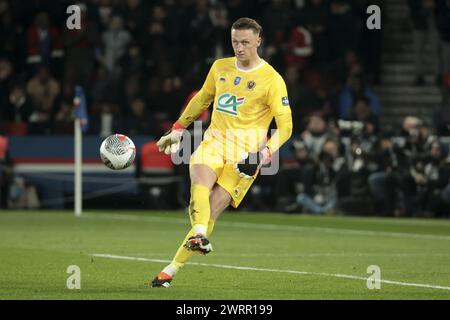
263, 62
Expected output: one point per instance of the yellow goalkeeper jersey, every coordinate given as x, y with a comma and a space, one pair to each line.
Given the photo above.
245, 102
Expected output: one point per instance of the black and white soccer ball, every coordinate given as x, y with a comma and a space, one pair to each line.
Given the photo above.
117, 152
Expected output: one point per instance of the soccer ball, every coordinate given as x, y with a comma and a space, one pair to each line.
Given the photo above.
117, 152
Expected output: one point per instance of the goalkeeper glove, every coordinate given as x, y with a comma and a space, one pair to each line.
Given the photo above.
170, 141
249, 166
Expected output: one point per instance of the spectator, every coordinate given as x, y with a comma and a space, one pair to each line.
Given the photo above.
356, 197
168, 100
219, 19
115, 41
445, 180
80, 45
133, 62
354, 88
295, 90
43, 43
362, 112
343, 30
102, 85
132, 88
425, 34
13, 37
299, 46
155, 40
312, 96
329, 170
18, 108
64, 118
277, 20
140, 121
106, 119
418, 138
105, 10
315, 17
308, 148
6, 78
43, 90
134, 14
391, 185
316, 134
443, 26
289, 181
200, 25
431, 177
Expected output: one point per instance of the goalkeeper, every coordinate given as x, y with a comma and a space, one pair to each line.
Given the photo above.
248, 94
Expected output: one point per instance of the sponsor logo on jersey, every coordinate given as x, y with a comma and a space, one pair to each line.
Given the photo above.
250, 85
222, 79
285, 101
228, 103
237, 80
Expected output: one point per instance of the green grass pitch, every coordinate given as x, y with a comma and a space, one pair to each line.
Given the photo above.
257, 256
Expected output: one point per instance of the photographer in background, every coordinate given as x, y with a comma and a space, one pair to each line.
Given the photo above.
391, 185
431, 174
356, 197
445, 180
329, 170
300, 179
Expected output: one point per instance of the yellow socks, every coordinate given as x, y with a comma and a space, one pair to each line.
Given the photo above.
184, 254
199, 210
200, 216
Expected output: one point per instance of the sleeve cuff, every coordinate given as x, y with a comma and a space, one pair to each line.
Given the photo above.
178, 126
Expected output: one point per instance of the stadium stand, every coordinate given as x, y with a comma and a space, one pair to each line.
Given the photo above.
139, 60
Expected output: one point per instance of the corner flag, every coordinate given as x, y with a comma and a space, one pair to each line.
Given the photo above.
80, 109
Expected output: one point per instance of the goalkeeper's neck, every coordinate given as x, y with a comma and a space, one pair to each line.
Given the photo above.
250, 64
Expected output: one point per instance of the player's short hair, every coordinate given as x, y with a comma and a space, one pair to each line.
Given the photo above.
247, 23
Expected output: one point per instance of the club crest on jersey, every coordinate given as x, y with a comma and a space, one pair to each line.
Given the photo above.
222, 79
251, 85
285, 101
228, 103
237, 80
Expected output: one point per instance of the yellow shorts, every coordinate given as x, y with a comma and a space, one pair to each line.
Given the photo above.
210, 153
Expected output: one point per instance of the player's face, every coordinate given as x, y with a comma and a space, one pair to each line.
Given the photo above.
245, 44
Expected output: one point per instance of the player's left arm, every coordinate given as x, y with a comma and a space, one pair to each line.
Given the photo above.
278, 102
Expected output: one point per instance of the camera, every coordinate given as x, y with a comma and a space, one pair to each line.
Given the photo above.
350, 127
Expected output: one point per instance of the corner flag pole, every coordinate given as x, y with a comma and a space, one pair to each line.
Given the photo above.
81, 124
78, 168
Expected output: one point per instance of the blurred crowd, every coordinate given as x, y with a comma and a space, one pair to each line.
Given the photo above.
354, 168
139, 60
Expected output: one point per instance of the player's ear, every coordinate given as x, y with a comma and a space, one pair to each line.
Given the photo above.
258, 41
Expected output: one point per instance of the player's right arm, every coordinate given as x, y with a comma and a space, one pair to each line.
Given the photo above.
170, 141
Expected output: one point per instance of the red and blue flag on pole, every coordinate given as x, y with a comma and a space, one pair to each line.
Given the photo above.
80, 107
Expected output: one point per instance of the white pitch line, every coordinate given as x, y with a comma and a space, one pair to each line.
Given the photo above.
269, 226
224, 266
